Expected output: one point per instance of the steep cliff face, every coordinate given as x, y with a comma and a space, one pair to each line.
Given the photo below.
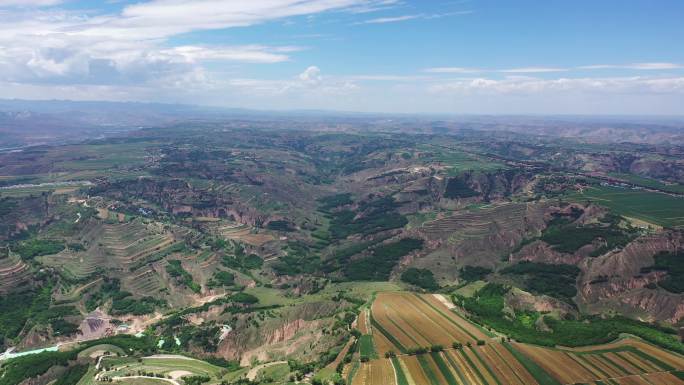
539, 251
296, 333
615, 280
499, 184
18, 214
178, 197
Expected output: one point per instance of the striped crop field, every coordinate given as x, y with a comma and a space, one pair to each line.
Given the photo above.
378, 371
627, 361
420, 330
411, 321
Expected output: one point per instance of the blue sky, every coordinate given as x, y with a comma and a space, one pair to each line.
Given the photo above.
430, 56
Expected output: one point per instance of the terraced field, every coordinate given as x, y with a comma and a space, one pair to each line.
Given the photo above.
145, 281
402, 322
477, 224
78, 265
236, 231
13, 272
131, 244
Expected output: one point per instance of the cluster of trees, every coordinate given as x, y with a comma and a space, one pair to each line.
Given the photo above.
196, 380
568, 237
31, 248
341, 256
299, 259
384, 257
422, 278
32, 306
457, 188
241, 260
123, 302
473, 273
487, 307
541, 278
176, 270
221, 279
280, 225
370, 217
73, 375
109, 288
673, 264
329, 203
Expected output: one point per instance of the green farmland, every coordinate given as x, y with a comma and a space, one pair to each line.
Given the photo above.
659, 209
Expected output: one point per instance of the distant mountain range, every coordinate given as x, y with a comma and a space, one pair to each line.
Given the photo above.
29, 122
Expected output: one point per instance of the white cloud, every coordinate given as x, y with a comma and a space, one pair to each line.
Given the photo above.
452, 70
311, 76
389, 78
634, 66
383, 20
394, 19
245, 54
28, 3
532, 70
527, 85
59, 46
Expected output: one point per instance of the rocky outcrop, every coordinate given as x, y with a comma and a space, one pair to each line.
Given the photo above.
178, 197
296, 332
539, 251
615, 280
517, 299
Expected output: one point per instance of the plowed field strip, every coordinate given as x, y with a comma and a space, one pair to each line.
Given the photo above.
590, 371
542, 375
449, 327
557, 364
381, 372
431, 370
468, 327
601, 373
440, 321
380, 330
633, 380
417, 323
614, 364
455, 368
362, 375
444, 369
663, 378
674, 361
381, 316
409, 331
515, 365
382, 344
501, 370
617, 360
399, 372
362, 322
473, 361
598, 362
483, 365
406, 371
415, 370
469, 371
647, 366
